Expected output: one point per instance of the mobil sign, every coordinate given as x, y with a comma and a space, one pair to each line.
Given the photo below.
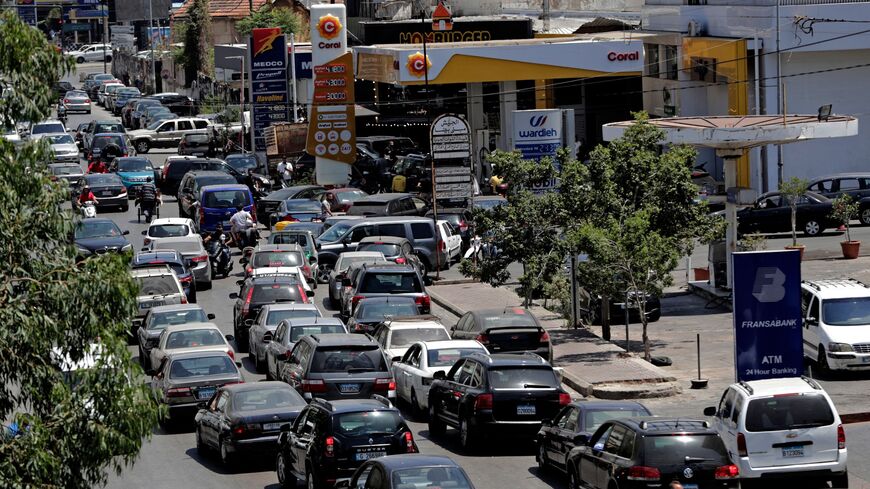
539, 133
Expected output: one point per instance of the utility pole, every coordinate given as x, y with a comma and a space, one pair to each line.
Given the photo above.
438, 242
105, 33
151, 41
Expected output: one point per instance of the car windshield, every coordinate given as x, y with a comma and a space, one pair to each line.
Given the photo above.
267, 398
101, 142
108, 128
350, 195
297, 205
390, 283
241, 162
278, 259
76, 94
407, 337
157, 285
446, 357
431, 477
227, 198
60, 139
505, 320
134, 164
154, 125
200, 367
289, 238
48, 128
788, 412
846, 312
344, 358
96, 229
276, 317
367, 423
369, 311
196, 138
299, 331
670, 450
277, 292
386, 249
103, 179
161, 320
595, 418
519, 377
487, 204
336, 231
194, 338
66, 170
345, 262
168, 230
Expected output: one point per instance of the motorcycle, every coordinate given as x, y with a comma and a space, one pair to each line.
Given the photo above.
220, 257
88, 209
61, 113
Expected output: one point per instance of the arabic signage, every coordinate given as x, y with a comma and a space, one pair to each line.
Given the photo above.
412, 31
268, 81
450, 137
767, 314
452, 182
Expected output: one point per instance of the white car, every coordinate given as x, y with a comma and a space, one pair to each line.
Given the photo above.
396, 335
169, 227
836, 324
291, 271
105, 92
93, 52
190, 337
262, 328
64, 148
47, 127
782, 429
452, 240
414, 372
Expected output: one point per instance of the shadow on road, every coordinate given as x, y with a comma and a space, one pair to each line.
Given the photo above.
243, 465
489, 447
552, 477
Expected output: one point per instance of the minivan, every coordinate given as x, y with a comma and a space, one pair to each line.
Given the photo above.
217, 203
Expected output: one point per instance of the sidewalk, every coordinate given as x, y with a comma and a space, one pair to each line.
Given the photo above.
590, 365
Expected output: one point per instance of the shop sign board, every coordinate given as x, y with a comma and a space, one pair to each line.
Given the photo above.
450, 137
268, 87
538, 134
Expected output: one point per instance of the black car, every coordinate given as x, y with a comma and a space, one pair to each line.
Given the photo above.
97, 236
408, 471
372, 311
60, 88
508, 330
257, 292
242, 162
486, 396
389, 204
330, 439
772, 214
246, 419
179, 104
639, 453
381, 280
191, 184
268, 205
175, 260
573, 426
174, 171
108, 189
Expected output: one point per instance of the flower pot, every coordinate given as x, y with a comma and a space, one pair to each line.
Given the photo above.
800, 248
850, 249
702, 274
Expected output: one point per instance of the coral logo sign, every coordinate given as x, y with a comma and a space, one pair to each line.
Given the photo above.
329, 27
613, 56
418, 64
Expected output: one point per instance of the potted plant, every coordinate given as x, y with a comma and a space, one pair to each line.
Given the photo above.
844, 209
792, 190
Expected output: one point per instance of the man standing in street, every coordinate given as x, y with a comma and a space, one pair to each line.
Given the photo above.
148, 198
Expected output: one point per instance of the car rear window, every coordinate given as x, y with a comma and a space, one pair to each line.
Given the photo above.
296, 205
109, 128
278, 259
367, 423
407, 337
176, 267
197, 138
348, 358
161, 320
199, 367
350, 195
215, 180
522, 377
379, 310
594, 419
506, 320
157, 285
446, 357
422, 476
227, 198
276, 317
181, 246
271, 398
194, 338
788, 412
66, 170
365, 208
390, 283
269, 293
101, 142
49, 128
673, 449
300, 331
386, 248
168, 230
95, 179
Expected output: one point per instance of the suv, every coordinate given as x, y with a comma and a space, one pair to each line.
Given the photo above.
339, 366
388, 205
157, 287
192, 183
782, 429
172, 258
198, 145
397, 334
385, 280
177, 103
288, 332
330, 439
494, 395
509, 330
177, 166
396, 250
217, 204
256, 293
836, 320
638, 453
168, 134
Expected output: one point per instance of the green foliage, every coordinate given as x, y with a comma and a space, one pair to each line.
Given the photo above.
844, 209
792, 190
53, 308
267, 16
753, 242
197, 34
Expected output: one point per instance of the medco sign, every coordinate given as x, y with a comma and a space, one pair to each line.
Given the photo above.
614, 56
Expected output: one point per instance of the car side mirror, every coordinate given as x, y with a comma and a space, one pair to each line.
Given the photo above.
812, 320
229, 337
145, 233
317, 246
125, 232
234, 295
309, 293
238, 364
581, 439
439, 375
345, 282
710, 411
210, 316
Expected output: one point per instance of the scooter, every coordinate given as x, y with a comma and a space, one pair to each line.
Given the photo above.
88, 209
220, 257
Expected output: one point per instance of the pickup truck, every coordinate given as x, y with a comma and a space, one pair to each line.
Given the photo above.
169, 133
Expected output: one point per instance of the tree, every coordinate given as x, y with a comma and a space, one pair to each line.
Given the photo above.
269, 16
72, 428
197, 57
843, 210
792, 190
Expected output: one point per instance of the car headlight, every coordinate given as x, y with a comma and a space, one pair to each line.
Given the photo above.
83, 251
127, 247
840, 347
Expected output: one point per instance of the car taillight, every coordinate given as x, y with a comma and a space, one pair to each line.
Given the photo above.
424, 302
441, 245
178, 392
249, 269
231, 354
66, 100
409, 443
247, 305
841, 437
201, 215
727, 472
483, 401
741, 445
302, 294
125, 153
483, 339
245, 429
545, 337
355, 300
165, 170
313, 385
400, 261
463, 226
184, 299
146, 242
186, 279
329, 450
199, 259
641, 473
564, 398
385, 384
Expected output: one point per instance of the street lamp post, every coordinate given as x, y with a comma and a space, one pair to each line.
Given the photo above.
151, 42
241, 100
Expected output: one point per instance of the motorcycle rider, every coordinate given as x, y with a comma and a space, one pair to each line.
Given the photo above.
242, 226
216, 235
148, 198
85, 196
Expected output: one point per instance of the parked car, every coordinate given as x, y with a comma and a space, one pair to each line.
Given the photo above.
416, 369
836, 324
246, 419
261, 329
97, 236
217, 203
158, 286
489, 396
449, 242
159, 318
397, 250
643, 452
242, 162
176, 262
268, 205
168, 227
168, 133
417, 470
179, 104
508, 330
343, 198
190, 337
257, 292
339, 366
339, 271
383, 280
389, 204
460, 219
184, 380
287, 333
108, 189
92, 84
191, 185
330, 439
77, 101
134, 172
772, 214
575, 424
194, 252
371, 311
121, 97
295, 210
153, 113
397, 334
93, 52
784, 429
131, 118
176, 167
51, 126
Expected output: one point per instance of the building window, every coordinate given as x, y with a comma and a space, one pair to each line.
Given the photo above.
652, 59
671, 62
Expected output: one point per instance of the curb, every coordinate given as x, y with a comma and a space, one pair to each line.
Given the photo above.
449, 306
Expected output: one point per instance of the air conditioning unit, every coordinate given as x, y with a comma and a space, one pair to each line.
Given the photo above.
695, 29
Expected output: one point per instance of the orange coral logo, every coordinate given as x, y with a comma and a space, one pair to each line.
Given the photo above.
418, 64
329, 26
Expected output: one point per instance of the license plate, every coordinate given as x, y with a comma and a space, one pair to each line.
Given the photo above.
106, 193
792, 452
205, 393
149, 305
273, 426
362, 456
690, 486
348, 388
526, 410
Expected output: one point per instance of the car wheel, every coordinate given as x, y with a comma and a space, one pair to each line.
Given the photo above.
80, 60
424, 268
241, 342
542, 458
813, 228
865, 216
227, 458
841, 481
285, 478
466, 435
324, 269
200, 445
311, 479
142, 146
822, 360
436, 426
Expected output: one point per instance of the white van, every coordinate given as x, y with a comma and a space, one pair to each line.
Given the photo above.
836, 323
779, 429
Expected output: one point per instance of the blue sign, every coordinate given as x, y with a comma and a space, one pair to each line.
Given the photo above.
269, 89
768, 337
27, 14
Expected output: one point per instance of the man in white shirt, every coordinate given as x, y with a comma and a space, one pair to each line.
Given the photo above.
241, 223
285, 171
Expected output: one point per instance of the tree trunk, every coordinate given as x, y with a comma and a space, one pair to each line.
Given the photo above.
794, 226
646, 353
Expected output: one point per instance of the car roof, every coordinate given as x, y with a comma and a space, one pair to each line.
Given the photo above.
389, 267
209, 173
175, 307
385, 197
313, 321
278, 247
171, 220
786, 385
190, 326
255, 386
652, 425
152, 271
180, 239
341, 406
157, 254
837, 288
342, 339
360, 254
506, 311
607, 405
840, 175
413, 322
396, 462
387, 298
276, 278
113, 134
290, 306
224, 186
383, 239
180, 355
510, 359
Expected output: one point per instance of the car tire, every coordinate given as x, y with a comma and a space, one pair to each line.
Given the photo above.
436, 426
80, 60
227, 458
841, 481
142, 146
200, 445
286, 479
310, 479
813, 227
467, 436
542, 458
864, 216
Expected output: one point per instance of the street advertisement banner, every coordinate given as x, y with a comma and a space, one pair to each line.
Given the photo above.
332, 128
768, 339
159, 38
269, 91
537, 134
